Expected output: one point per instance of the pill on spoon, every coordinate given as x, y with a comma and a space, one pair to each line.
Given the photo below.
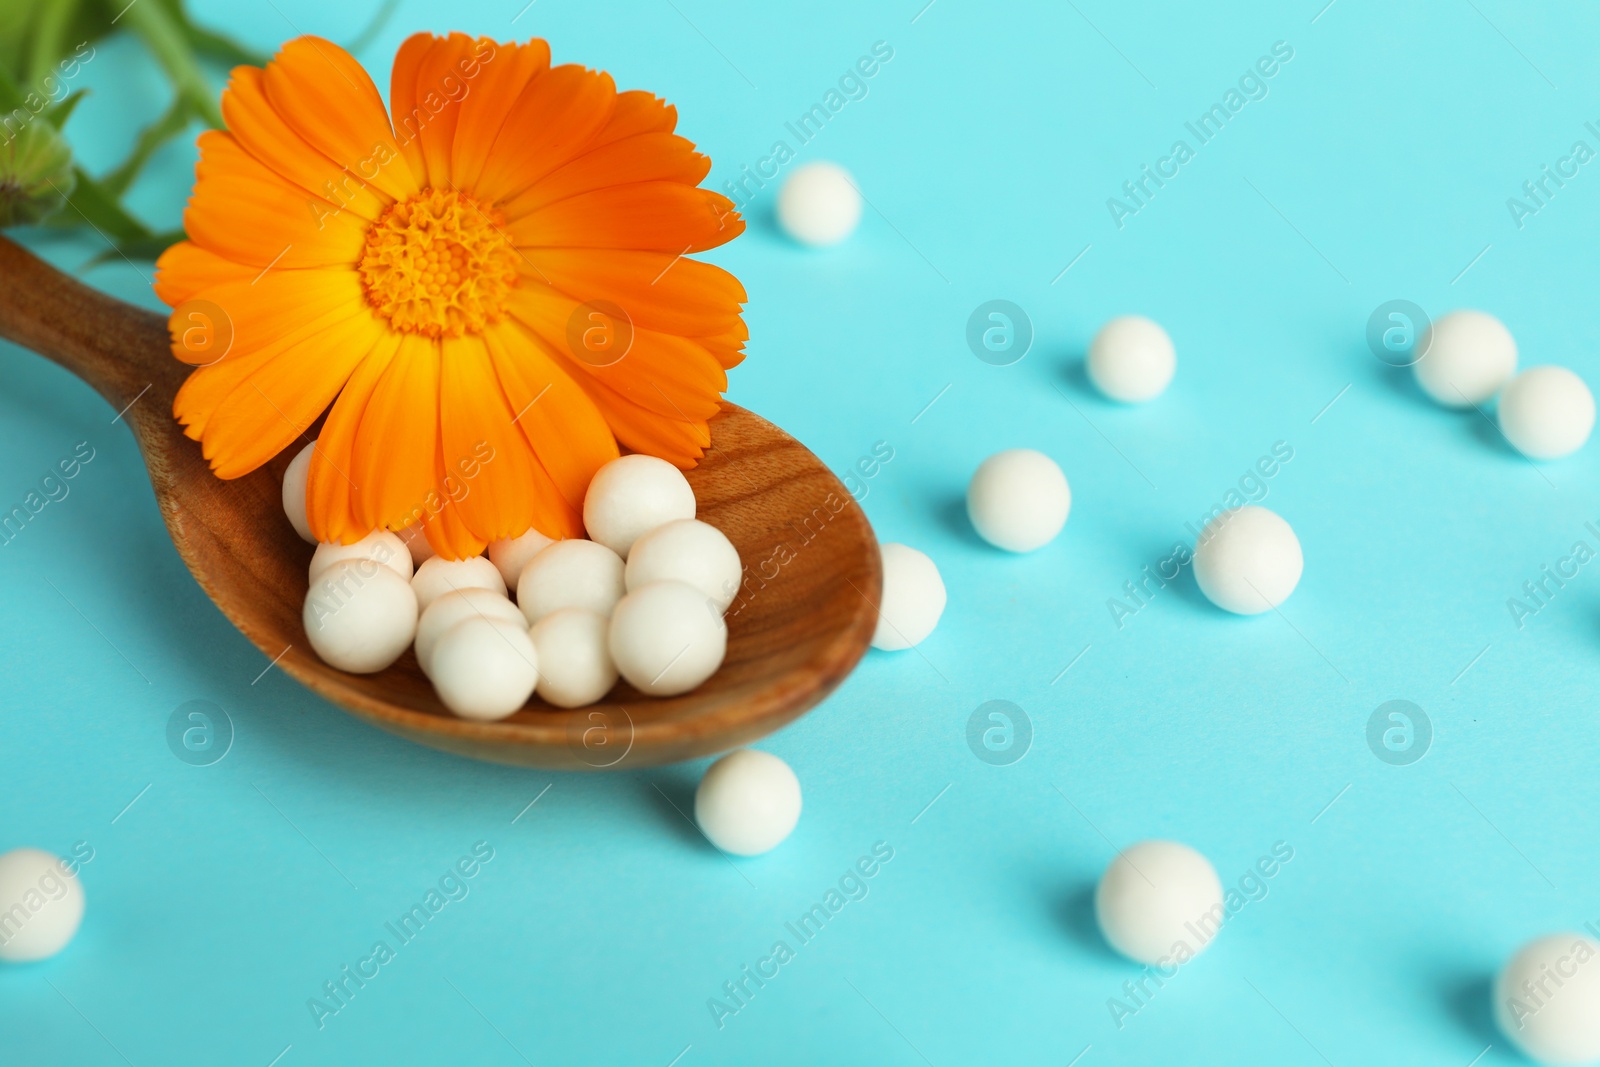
575, 666
449, 609
359, 615
631, 496
295, 477
439, 576
512, 554
484, 670
380, 545
666, 639
570, 574
689, 551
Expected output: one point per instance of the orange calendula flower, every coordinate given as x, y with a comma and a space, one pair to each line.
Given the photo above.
490, 290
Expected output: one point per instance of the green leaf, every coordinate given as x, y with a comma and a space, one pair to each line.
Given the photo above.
58, 114
102, 211
144, 248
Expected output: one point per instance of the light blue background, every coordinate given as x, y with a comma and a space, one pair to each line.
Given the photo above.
1378, 168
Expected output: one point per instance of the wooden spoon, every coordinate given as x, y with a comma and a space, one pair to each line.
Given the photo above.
804, 617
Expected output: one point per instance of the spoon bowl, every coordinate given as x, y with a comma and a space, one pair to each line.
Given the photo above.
802, 620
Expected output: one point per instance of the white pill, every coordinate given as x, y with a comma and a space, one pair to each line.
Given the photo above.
912, 601
439, 576
574, 657
1546, 412
570, 574
1247, 560
1159, 903
1467, 357
1131, 359
295, 477
748, 802
512, 554
41, 905
1018, 500
665, 639
484, 670
631, 496
819, 204
688, 551
451, 608
359, 616
1547, 999
380, 545
421, 550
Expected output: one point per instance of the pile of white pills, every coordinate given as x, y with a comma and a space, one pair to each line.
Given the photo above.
1469, 356
643, 600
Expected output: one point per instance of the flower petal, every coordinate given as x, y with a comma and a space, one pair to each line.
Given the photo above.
396, 459
264, 309
244, 212
655, 216
331, 494
328, 98
552, 119
185, 269
659, 291
506, 70
647, 157
268, 137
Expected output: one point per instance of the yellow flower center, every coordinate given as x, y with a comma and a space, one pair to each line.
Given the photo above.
438, 264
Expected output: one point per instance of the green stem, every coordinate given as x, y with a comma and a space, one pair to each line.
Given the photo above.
166, 41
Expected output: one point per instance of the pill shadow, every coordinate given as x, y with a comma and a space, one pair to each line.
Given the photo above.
1074, 914
951, 513
669, 794
1469, 1005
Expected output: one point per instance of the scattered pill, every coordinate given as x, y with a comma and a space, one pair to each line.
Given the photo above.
512, 554
360, 615
449, 609
484, 670
41, 905
748, 802
819, 204
295, 477
379, 545
1546, 412
688, 551
439, 576
1247, 560
665, 639
1159, 903
575, 666
1018, 500
1467, 357
1547, 999
570, 574
912, 601
1131, 359
631, 496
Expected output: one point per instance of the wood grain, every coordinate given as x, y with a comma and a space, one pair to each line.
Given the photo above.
802, 621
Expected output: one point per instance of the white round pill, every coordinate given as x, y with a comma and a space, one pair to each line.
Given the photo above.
295, 477
417, 541
1159, 903
512, 554
574, 657
631, 496
570, 574
1018, 500
380, 545
1467, 357
912, 601
689, 551
665, 639
439, 576
41, 905
451, 608
483, 669
748, 802
359, 616
1547, 999
1247, 560
1131, 359
1546, 412
819, 204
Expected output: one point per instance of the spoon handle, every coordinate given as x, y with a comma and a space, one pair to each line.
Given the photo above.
120, 350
